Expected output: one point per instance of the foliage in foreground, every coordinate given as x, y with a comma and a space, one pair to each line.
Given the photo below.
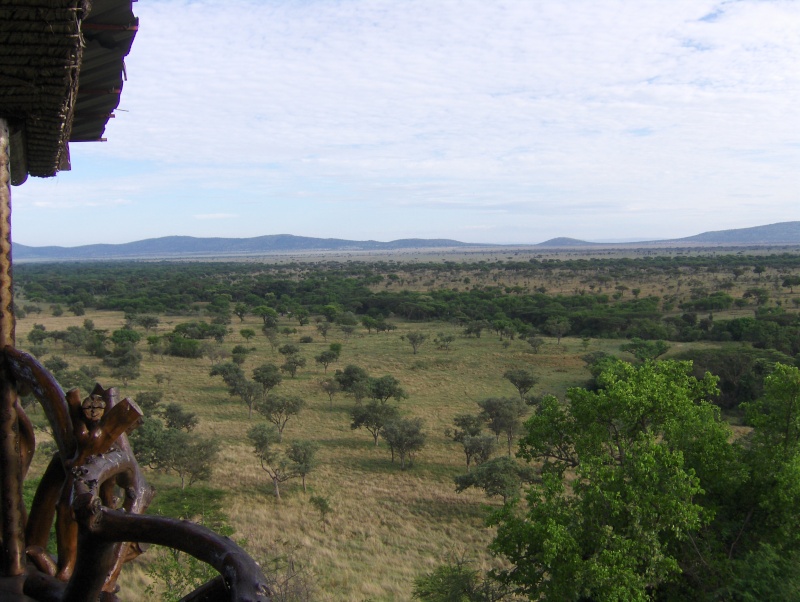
644, 494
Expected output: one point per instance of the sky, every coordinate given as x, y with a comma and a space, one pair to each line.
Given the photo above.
484, 121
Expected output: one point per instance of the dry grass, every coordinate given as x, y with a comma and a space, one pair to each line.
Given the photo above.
387, 526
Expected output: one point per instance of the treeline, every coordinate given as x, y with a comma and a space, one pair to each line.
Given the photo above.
334, 289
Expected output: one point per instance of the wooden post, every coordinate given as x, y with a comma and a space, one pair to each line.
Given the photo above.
12, 559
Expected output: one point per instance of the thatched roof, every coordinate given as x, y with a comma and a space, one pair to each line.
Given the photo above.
61, 72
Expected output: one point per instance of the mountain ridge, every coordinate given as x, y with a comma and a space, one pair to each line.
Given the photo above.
175, 247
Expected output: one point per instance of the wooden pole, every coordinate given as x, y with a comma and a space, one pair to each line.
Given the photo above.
12, 529
6, 288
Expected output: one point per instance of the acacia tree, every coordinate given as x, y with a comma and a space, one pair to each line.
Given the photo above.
273, 462
477, 446
279, 409
326, 358
501, 476
292, 364
557, 327
645, 350
238, 384
268, 376
175, 451
405, 438
331, 387
384, 388
503, 415
373, 416
353, 380
302, 454
522, 379
416, 339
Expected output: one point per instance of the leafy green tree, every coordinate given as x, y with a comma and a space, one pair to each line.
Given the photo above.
268, 315
247, 333
323, 506
405, 438
353, 378
302, 454
279, 409
331, 387
77, 308
240, 311
170, 450
178, 418
373, 417
272, 337
501, 476
273, 462
330, 311
443, 341
385, 388
148, 322
239, 354
238, 384
191, 458
620, 485
323, 328
149, 401
468, 432
125, 360
268, 376
37, 335
289, 349
292, 364
557, 327
522, 379
503, 415
478, 449
645, 350
456, 581
326, 358
369, 323
416, 339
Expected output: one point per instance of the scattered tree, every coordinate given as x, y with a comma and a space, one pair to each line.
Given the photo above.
416, 339
645, 350
326, 358
522, 379
279, 409
503, 415
373, 416
273, 462
405, 438
302, 453
501, 476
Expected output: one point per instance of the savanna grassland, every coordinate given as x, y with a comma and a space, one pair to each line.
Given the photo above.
387, 526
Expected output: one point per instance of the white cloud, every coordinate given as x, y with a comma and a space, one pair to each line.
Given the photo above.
608, 111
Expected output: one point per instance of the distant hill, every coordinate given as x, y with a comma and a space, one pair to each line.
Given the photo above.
174, 247
189, 246
773, 234
563, 241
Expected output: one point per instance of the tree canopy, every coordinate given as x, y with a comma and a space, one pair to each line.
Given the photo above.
645, 494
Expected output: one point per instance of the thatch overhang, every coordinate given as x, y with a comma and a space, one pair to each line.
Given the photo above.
61, 75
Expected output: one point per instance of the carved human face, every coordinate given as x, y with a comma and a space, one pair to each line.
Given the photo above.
93, 408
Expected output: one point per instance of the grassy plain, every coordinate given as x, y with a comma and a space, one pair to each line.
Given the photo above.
387, 526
